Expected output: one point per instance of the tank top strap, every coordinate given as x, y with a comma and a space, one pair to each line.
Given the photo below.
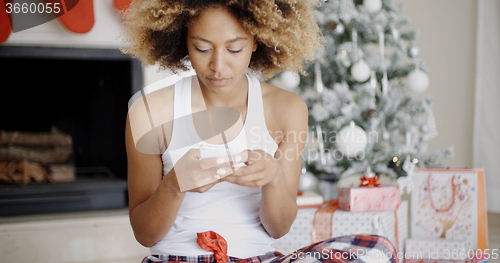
255, 123
182, 98
182, 115
255, 117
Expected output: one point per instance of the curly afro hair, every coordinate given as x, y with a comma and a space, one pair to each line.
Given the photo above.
285, 30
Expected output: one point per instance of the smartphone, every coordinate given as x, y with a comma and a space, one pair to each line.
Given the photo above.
214, 151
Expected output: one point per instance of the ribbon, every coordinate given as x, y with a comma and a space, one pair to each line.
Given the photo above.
396, 230
369, 181
322, 224
213, 242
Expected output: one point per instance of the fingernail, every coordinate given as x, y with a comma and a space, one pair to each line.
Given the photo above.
221, 171
237, 159
217, 177
220, 160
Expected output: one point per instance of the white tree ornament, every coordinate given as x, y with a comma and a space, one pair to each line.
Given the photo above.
352, 140
372, 6
418, 81
289, 80
360, 71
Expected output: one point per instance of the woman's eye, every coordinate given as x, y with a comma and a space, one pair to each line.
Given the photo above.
202, 50
235, 50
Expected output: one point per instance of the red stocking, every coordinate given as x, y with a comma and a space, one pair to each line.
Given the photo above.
5, 27
80, 14
122, 5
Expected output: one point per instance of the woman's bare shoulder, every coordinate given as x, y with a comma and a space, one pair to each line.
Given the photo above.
283, 106
160, 99
148, 114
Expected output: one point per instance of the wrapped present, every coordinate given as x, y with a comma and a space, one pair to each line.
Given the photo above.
450, 204
390, 224
365, 199
439, 249
309, 199
313, 225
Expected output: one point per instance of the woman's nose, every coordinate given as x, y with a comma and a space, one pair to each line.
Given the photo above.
218, 63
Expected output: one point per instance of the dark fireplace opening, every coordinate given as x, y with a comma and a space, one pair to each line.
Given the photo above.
83, 93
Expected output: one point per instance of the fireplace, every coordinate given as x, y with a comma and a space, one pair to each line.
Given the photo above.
81, 92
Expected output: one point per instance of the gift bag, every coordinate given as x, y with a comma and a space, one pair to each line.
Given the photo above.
439, 249
450, 204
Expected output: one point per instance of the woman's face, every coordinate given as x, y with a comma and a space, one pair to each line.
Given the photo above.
220, 50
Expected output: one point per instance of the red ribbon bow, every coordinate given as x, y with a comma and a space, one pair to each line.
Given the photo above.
369, 181
213, 242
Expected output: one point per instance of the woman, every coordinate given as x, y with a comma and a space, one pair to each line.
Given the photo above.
243, 206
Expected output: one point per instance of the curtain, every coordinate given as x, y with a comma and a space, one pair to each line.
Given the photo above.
486, 138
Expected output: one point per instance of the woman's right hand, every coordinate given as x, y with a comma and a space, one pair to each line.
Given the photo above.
199, 175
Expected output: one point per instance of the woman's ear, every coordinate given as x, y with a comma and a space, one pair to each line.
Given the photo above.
255, 45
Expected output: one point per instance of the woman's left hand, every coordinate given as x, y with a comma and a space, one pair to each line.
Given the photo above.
261, 169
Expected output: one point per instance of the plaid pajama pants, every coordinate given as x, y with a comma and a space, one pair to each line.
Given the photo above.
353, 248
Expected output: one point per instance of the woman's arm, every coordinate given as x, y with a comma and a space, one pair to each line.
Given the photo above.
279, 206
153, 201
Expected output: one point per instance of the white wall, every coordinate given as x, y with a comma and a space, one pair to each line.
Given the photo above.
486, 122
447, 39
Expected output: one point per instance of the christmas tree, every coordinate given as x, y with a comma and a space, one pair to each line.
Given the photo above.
365, 94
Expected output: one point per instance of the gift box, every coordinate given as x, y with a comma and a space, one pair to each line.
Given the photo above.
390, 224
309, 199
439, 249
365, 199
450, 204
313, 225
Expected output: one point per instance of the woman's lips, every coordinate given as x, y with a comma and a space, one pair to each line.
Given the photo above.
218, 81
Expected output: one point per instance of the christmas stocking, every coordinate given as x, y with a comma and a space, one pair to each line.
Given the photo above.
122, 5
78, 14
5, 26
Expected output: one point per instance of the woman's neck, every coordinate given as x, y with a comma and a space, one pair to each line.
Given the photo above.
235, 98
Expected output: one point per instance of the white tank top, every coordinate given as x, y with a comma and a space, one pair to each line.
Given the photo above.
228, 209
